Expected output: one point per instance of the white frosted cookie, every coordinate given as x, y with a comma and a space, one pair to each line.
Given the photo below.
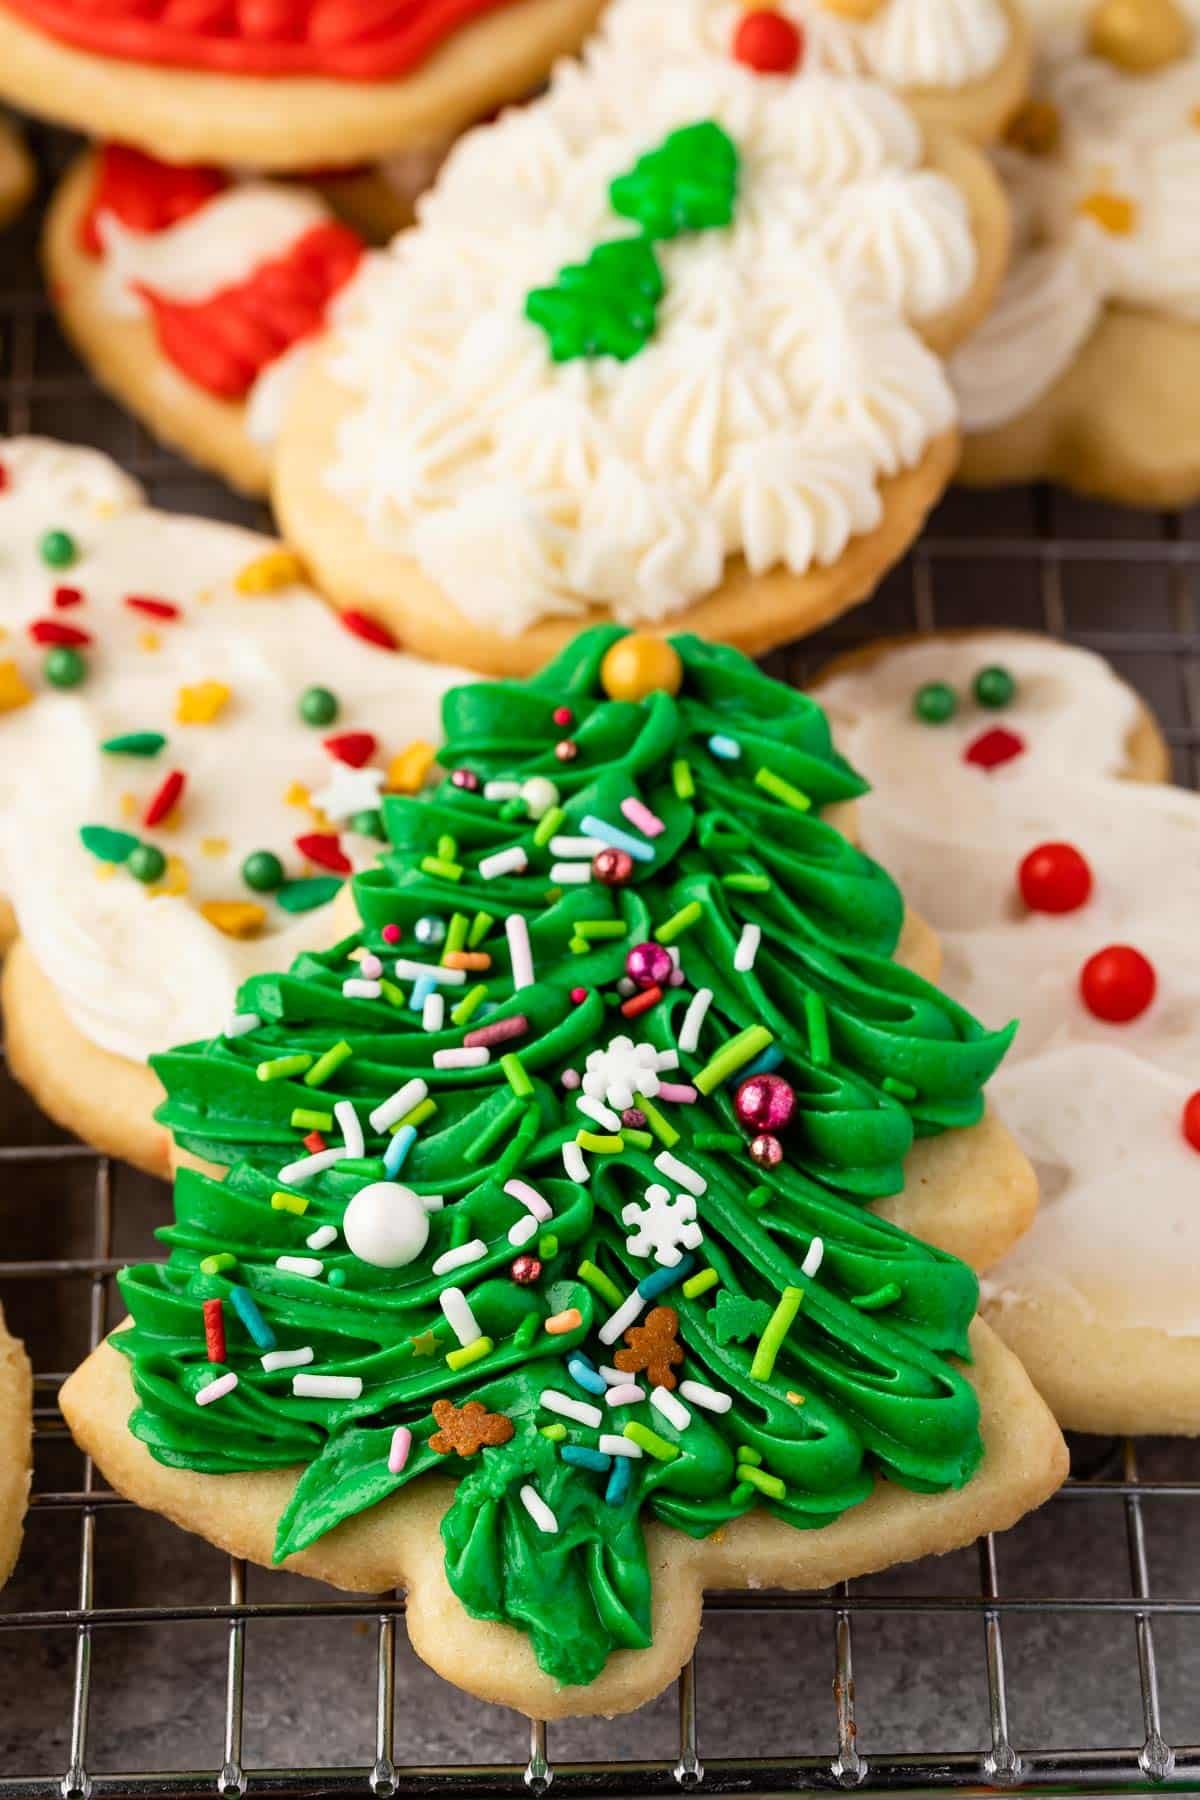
663, 348
298, 84
16, 1446
142, 648
16, 173
1100, 1087
1088, 369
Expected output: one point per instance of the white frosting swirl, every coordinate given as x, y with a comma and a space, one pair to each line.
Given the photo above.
139, 971
1098, 1107
1133, 139
525, 488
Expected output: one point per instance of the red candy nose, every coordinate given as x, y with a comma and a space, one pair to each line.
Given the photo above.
1117, 984
768, 43
993, 747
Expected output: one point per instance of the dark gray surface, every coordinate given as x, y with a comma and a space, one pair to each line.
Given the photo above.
1127, 583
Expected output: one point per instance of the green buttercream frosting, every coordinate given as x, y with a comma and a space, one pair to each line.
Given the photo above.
855, 1391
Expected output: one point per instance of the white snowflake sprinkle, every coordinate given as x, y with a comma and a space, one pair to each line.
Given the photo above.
621, 1070
664, 1225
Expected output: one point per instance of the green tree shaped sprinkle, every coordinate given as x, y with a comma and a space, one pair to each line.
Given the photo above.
689, 183
606, 306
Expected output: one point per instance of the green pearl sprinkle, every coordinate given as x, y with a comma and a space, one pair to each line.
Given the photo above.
318, 706
147, 863
262, 871
994, 687
935, 703
64, 667
58, 549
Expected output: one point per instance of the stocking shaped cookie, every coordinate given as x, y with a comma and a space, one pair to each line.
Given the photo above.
1029, 823
662, 347
195, 296
299, 84
584, 1305
194, 752
1088, 368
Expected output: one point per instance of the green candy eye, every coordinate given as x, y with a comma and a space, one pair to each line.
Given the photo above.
58, 549
935, 703
994, 687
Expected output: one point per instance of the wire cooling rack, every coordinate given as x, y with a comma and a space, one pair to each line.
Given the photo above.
1061, 1658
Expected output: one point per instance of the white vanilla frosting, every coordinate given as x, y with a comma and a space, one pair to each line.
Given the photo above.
139, 969
218, 246
1133, 139
785, 378
1098, 1107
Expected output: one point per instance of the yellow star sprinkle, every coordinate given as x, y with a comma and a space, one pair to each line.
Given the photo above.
236, 918
199, 705
214, 846
409, 767
425, 1344
1111, 212
268, 573
13, 691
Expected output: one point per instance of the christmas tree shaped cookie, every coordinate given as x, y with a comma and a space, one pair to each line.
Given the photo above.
545, 1278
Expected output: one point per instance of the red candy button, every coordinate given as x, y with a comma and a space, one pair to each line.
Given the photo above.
1117, 984
993, 747
353, 747
324, 849
1054, 878
768, 43
1191, 1120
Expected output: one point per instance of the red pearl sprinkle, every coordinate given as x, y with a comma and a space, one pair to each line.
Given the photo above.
391, 934
993, 747
324, 848
164, 798
157, 609
1117, 984
578, 996
370, 630
1191, 1120
353, 747
768, 43
53, 631
526, 1270
562, 715
1054, 878
68, 596
214, 1331
315, 1143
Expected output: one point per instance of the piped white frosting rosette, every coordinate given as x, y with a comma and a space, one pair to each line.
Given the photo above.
140, 968
1110, 213
786, 377
1098, 1107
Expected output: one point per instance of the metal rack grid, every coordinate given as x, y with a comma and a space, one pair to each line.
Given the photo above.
1125, 584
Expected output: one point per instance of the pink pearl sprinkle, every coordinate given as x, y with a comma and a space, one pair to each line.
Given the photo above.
570, 1079
676, 1090
391, 934
677, 978
578, 996
401, 1445
371, 967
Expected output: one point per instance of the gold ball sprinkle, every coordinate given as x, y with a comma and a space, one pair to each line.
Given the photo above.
639, 665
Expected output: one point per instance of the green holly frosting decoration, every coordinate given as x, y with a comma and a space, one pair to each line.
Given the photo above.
608, 306
628, 1240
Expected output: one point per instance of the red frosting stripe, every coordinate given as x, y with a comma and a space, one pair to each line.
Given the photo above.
144, 194
224, 343
348, 40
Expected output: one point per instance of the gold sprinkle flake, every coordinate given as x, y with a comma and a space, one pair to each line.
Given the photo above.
201, 703
268, 573
105, 871
236, 918
13, 691
409, 767
177, 879
129, 806
149, 640
795, 1398
297, 795
214, 846
1111, 212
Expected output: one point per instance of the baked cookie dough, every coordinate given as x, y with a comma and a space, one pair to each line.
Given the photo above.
1063, 881
552, 1183
711, 398
16, 174
173, 702
1088, 369
290, 97
16, 1446
194, 296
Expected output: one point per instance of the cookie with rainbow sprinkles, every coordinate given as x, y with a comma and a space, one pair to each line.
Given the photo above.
1020, 797
577, 1232
665, 345
1088, 369
300, 84
195, 749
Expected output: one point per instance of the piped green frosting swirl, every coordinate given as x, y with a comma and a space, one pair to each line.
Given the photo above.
864, 1384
